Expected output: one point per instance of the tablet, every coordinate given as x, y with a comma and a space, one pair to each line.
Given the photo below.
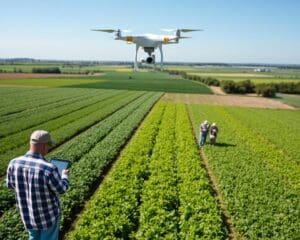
61, 164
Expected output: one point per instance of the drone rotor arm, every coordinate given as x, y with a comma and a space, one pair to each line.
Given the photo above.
105, 30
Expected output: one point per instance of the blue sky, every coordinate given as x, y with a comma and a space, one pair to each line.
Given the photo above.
240, 31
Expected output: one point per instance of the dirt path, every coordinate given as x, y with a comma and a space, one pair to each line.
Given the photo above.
217, 90
233, 233
225, 100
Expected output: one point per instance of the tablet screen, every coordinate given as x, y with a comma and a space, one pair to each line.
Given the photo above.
60, 164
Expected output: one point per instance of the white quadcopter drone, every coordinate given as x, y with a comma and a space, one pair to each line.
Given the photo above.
149, 42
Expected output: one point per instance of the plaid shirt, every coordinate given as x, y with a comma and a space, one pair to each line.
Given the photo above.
37, 185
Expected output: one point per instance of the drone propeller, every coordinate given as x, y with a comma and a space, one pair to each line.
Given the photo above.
182, 30
105, 30
112, 30
190, 30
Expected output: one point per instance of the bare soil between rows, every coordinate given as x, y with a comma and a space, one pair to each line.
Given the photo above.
226, 100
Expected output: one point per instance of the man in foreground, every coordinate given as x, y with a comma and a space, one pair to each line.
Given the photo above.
37, 185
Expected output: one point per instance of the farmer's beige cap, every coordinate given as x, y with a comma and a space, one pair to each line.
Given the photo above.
41, 136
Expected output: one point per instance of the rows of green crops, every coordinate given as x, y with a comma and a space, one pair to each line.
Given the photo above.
157, 189
256, 164
90, 152
65, 125
62, 134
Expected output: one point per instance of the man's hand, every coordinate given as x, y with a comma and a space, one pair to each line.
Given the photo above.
65, 172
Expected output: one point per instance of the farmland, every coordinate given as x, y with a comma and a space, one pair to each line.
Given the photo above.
167, 196
139, 81
137, 172
94, 149
257, 168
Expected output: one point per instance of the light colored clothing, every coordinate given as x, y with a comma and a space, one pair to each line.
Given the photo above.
37, 185
204, 127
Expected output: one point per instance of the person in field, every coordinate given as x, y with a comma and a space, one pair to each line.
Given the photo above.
37, 185
213, 133
204, 128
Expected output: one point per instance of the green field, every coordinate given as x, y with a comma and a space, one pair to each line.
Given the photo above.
157, 185
242, 73
64, 68
140, 81
290, 99
256, 165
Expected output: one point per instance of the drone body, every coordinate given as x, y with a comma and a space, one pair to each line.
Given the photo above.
149, 42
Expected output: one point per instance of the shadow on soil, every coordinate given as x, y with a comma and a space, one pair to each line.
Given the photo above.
219, 144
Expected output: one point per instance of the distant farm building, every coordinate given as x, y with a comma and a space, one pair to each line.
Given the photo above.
262, 70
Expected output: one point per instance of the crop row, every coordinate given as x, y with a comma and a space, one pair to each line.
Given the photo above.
200, 214
86, 141
272, 156
151, 193
40, 116
59, 101
258, 184
80, 109
85, 173
159, 216
64, 127
113, 210
8, 91
282, 131
23, 100
71, 147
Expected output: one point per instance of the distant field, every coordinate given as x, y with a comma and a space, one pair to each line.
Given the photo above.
235, 75
67, 68
290, 99
242, 73
145, 81
226, 100
259, 79
254, 77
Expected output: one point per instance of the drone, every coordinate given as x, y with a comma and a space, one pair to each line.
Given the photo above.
149, 42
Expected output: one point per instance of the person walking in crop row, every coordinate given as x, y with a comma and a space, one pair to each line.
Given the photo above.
37, 185
204, 128
213, 134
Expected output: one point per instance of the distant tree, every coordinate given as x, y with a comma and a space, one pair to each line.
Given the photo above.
46, 70
265, 90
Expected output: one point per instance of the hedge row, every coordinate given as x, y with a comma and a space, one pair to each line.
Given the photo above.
242, 87
46, 70
206, 80
263, 89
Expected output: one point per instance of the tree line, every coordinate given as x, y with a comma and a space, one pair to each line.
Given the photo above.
243, 87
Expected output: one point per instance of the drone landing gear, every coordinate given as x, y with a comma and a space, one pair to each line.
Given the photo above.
135, 62
151, 57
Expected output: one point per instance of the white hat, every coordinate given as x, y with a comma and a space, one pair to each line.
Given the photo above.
213, 124
205, 122
41, 136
